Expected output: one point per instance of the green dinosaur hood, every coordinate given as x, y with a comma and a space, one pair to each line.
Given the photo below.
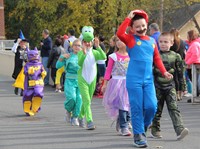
88, 33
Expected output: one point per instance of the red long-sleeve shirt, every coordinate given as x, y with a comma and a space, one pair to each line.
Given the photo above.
129, 40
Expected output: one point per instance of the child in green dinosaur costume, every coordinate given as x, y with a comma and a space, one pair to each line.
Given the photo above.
87, 73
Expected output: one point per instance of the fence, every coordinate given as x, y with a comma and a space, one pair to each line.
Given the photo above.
195, 68
6, 44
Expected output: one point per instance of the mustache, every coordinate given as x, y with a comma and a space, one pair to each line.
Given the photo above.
142, 31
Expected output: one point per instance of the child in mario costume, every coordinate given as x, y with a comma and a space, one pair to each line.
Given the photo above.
143, 52
33, 85
87, 73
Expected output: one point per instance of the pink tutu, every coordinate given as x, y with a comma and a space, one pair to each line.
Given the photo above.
116, 97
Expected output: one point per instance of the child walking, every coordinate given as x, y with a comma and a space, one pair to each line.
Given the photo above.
165, 89
73, 100
143, 52
115, 99
87, 73
33, 83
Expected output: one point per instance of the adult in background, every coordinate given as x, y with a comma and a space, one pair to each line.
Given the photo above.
193, 54
179, 47
69, 41
53, 57
154, 32
112, 44
46, 46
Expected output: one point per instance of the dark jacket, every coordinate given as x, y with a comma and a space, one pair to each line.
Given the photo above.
179, 49
18, 64
111, 50
46, 47
54, 56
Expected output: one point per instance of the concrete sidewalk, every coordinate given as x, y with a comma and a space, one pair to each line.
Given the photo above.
48, 130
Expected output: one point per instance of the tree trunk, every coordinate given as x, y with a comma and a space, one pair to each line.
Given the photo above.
161, 14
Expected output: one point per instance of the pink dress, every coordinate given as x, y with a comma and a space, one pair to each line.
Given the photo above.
116, 95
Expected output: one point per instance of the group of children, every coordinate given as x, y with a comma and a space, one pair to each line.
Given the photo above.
140, 85
137, 81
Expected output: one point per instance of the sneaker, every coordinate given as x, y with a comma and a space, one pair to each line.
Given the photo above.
68, 117
125, 132
183, 133
74, 121
58, 91
81, 123
156, 134
188, 95
140, 141
90, 126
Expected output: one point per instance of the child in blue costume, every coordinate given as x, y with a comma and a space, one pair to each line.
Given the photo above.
143, 52
73, 100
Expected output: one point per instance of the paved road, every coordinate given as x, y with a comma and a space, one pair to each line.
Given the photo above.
48, 130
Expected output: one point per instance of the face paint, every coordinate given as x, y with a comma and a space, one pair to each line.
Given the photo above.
141, 31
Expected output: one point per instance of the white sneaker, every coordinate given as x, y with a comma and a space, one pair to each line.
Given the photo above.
68, 117
81, 123
188, 95
58, 91
74, 121
125, 132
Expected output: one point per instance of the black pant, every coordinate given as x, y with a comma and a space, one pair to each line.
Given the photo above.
53, 74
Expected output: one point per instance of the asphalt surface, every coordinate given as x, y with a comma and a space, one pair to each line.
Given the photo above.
48, 130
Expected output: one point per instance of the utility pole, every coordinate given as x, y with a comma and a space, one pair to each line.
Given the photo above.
161, 14
2, 21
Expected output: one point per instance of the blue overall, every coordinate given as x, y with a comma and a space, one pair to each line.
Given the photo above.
140, 84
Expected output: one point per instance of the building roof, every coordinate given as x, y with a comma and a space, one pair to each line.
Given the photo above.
179, 17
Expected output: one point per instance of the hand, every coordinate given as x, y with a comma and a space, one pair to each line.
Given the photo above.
96, 42
131, 15
84, 49
103, 88
23, 46
63, 56
66, 55
19, 40
168, 75
41, 43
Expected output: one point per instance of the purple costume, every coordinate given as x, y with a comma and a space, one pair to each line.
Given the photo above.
33, 85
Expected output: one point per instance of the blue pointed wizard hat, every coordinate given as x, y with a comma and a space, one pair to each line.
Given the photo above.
21, 36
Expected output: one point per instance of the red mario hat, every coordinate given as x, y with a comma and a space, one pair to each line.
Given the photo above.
141, 13
65, 37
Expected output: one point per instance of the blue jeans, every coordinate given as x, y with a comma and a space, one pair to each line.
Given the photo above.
44, 63
124, 118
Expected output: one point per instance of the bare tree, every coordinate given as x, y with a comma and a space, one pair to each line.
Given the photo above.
161, 14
